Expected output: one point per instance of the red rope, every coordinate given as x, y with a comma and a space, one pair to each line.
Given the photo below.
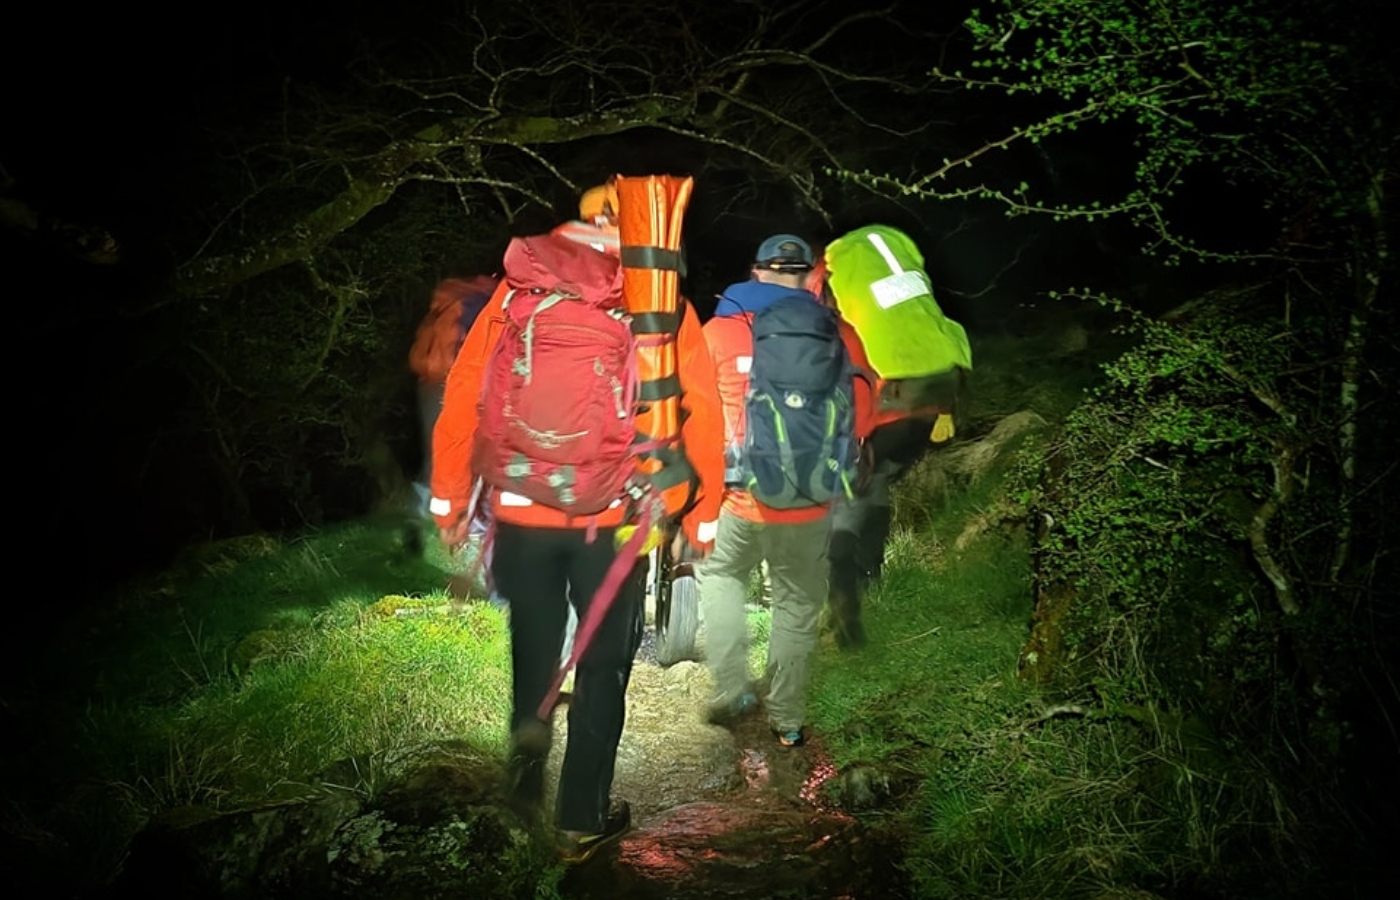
598, 608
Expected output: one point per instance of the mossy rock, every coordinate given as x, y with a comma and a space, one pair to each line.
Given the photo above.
443, 831
397, 606
277, 850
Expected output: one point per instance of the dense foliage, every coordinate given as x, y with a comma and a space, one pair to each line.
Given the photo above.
1211, 524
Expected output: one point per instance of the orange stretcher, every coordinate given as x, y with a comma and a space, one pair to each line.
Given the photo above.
651, 210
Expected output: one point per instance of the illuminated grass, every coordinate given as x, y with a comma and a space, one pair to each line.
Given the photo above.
1003, 791
999, 794
370, 691
253, 671
941, 658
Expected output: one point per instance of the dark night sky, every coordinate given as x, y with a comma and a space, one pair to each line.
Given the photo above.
103, 111
101, 103
107, 110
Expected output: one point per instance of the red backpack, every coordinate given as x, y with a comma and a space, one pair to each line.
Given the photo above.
558, 396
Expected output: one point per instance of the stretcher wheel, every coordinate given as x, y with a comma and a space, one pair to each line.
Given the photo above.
677, 617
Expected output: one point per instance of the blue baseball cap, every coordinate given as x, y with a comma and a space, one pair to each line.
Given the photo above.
784, 252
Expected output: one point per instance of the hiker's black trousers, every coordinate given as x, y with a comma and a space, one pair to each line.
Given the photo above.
539, 571
861, 526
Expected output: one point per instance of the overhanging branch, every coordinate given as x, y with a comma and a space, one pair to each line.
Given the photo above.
384, 173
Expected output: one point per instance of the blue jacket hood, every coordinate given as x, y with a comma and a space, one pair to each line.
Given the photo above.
753, 296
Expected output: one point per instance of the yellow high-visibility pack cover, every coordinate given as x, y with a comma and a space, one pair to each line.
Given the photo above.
877, 276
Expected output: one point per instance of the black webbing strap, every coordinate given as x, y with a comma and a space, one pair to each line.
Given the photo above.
659, 389
635, 256
675, 468
656, 323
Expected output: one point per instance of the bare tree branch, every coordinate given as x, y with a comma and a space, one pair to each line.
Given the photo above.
392, 167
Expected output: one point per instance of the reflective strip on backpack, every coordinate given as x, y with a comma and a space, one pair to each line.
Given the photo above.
510, 498
885, 252
894, 289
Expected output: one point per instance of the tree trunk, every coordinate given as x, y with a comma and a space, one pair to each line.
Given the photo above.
1369, 267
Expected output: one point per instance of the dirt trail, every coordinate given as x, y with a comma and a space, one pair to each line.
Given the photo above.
723, 814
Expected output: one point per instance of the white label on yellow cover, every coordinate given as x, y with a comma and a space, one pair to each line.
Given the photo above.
895, 289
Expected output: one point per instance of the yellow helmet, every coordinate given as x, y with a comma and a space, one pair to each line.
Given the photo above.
599, 201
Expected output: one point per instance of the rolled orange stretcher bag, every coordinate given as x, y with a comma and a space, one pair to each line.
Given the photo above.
651, 210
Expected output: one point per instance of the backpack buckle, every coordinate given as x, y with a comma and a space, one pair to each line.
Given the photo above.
518, 467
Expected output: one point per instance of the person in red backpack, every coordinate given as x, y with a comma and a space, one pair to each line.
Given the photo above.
539, 406
794, 411
455, 304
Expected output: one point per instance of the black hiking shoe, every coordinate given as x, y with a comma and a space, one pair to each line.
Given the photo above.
576, 849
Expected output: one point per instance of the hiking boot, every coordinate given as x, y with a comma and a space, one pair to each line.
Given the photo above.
789, 737
726, 714
576, 848
529, 749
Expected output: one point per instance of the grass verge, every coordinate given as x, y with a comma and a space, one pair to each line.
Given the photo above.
253, 672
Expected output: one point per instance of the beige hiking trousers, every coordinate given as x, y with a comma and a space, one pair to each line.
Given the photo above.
797, 564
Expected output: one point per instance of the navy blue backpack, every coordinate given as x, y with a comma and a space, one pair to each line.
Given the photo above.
799, 447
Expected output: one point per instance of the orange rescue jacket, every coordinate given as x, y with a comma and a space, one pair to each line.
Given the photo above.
445, 325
